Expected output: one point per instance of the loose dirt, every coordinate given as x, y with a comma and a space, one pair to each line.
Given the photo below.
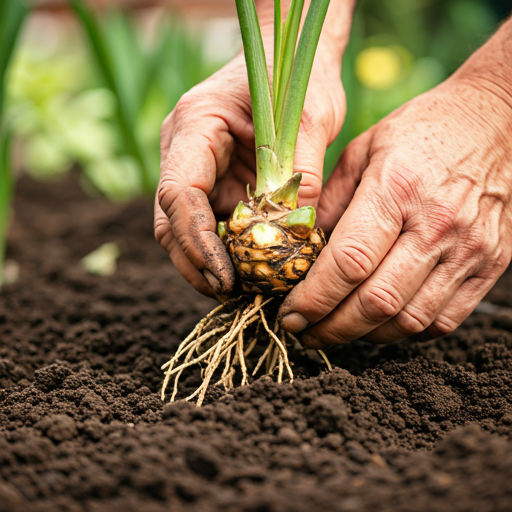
413, 426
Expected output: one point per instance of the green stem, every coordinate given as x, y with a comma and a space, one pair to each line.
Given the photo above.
104, 63
264, 131
5, 196
12, 15
278, 34
291, 32
289, 124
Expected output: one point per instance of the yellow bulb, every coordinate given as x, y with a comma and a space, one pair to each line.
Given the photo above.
379, 67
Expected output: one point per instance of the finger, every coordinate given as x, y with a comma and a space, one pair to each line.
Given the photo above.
199, 281
231, 189
193, 226
165, 237
188, 176
382, 296
309, 161
421, 311
360, 241
341, 185
461, 305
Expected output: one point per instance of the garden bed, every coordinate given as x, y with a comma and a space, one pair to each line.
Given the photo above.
420, 426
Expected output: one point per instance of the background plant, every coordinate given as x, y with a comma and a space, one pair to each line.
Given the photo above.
98, 100
12, 14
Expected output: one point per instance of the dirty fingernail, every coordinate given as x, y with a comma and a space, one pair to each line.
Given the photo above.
311, 342
294, 322
214, 282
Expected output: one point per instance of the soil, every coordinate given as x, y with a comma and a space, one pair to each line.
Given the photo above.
412, 426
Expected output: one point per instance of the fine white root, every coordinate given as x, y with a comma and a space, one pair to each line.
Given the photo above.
218, 339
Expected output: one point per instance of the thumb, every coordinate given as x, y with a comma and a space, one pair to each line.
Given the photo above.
341, 185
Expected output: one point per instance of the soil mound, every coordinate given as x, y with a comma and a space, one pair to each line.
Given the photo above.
410, 426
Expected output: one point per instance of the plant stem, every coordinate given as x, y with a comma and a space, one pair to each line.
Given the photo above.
104, 63
12, 15
291, 32
5, 196
288, 128
278, 35
264, 131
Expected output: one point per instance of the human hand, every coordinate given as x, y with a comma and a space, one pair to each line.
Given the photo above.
208, 157
421, 217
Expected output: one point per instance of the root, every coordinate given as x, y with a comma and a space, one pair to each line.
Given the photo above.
218, 339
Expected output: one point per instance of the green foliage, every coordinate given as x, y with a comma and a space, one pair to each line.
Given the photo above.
12, 15
100, 103
429, 39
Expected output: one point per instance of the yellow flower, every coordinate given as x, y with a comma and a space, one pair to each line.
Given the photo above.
379, 67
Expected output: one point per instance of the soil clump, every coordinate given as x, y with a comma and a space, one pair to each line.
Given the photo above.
423, 426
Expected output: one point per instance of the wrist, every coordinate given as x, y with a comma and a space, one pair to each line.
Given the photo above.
490, 68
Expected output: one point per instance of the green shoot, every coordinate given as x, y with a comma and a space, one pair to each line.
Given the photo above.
278, 41
6, 188
277, 114
104, 61
257, 71
291, 33
12, 15
288, 128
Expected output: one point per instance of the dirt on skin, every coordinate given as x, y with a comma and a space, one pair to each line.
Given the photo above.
406, 427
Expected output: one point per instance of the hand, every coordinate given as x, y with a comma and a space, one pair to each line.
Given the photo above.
421, 217
207, 155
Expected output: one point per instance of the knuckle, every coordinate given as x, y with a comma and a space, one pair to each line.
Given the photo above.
185, 104
161, 228
443, 325
443, 220
316, 304
410, 321
403, 184
502, 261
311, 185
329, 335
165, 193
353, 263
377, 304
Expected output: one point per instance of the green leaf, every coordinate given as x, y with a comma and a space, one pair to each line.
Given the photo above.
12, 15
104, 60
6, 187
291, 32
288, 127
262, 113
278, 40
302, 219
288, 194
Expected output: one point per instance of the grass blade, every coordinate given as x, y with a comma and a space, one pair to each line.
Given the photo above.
12, 15
6, 188
288, 127
262, 112
278, 34
258, 74
291, 33
104, 61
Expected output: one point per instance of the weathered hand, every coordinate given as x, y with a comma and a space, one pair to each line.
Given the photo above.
421, 217
207, 155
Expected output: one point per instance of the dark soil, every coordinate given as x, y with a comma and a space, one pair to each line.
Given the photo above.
406, 427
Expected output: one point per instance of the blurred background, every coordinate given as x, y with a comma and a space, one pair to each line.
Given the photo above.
90, 82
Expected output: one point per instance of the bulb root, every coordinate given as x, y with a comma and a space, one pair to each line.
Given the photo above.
219, 339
